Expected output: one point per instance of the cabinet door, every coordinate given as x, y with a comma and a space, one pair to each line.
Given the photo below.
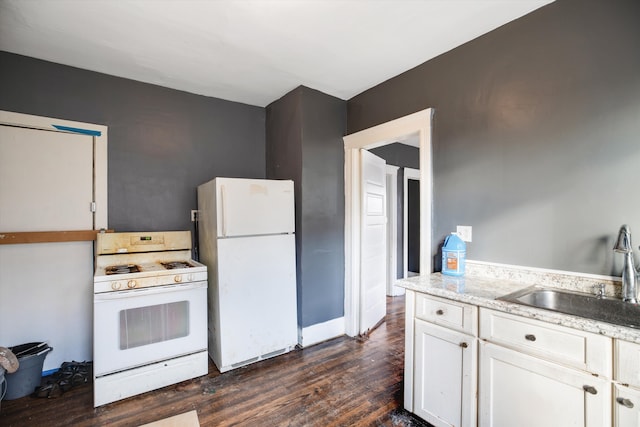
626, 407
445, 376
521, 390
627, 366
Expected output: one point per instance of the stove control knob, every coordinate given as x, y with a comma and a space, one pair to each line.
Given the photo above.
132, 284
115, 285
190, 277
177, 278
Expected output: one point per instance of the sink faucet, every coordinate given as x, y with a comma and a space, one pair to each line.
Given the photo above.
629, 273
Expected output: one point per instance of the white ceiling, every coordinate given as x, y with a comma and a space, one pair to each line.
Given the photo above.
250, 51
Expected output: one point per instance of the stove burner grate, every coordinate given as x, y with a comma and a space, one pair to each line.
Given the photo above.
122, 269
175, 264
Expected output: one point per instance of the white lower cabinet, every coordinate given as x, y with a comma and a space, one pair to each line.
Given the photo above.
517, 389
473, 366
445, 375
534, 373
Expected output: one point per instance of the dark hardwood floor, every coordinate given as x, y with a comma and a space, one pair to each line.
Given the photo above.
341, 382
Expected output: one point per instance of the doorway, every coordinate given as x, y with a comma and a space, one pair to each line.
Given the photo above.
403, 211
416, 125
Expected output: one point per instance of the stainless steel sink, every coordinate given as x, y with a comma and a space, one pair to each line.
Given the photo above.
604, 309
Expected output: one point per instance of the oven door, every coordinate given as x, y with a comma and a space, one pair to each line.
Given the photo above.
138, 327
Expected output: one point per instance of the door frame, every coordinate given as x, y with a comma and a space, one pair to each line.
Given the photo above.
392, 230
409, 173
402, 129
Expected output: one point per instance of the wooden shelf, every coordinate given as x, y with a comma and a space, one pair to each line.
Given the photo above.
49, 236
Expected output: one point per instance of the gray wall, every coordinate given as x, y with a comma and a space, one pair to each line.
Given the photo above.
163, 143
324, 121
535, 138
304, 143
284, 160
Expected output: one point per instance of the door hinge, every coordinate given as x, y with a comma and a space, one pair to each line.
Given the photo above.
93, 206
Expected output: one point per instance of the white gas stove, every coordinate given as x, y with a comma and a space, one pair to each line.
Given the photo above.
150, 313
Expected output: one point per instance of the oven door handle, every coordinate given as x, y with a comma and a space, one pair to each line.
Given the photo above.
131, 293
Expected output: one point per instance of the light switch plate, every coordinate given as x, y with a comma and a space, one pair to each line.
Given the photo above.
464, 232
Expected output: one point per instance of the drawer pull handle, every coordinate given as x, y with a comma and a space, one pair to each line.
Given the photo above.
464, 345
625, 402
530, 337
590, 389
440, 312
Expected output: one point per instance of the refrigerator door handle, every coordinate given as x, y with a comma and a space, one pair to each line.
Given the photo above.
223, 211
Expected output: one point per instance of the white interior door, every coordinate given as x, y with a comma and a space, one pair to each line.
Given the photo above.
46, 184
373, 260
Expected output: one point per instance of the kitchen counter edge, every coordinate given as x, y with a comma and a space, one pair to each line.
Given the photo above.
482, 292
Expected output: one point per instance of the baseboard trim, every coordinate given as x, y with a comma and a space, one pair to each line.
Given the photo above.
320, 332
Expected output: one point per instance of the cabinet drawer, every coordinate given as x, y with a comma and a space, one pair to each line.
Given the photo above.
627, 365
571, 347
452, 314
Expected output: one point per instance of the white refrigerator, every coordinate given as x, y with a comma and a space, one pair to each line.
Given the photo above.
246, 240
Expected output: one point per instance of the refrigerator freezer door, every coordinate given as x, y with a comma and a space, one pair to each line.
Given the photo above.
250, 207
256, 299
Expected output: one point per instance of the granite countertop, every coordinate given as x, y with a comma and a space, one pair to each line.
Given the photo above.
483, 283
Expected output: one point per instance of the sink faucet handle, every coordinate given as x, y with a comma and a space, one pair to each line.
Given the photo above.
599, 289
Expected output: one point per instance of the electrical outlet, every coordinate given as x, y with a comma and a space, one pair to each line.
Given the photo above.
464, 232
194, 215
